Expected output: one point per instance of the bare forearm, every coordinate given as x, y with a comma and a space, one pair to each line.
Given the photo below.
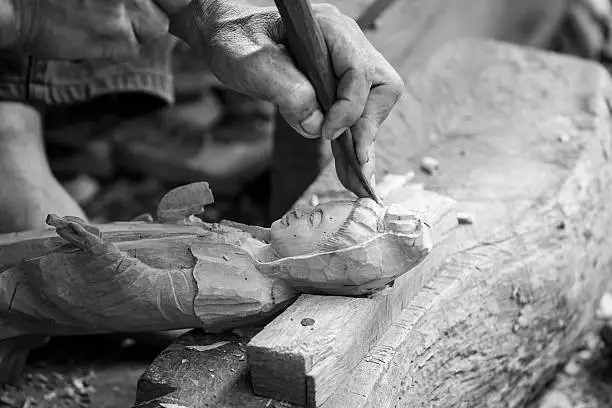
9, 24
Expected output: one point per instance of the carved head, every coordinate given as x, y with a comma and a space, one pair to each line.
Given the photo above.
327, 227
337, 225
347, 247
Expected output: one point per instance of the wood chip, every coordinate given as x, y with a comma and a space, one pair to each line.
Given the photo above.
555, 399
208, 347
8, 401
391, 182
80, 386
314, 200
604, 312
29, 402
465, 218
571, 368
585, 355
307, 322
563, 137
169, 405
49, 396
429, 165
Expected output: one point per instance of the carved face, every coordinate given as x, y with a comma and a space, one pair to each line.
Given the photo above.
327, 227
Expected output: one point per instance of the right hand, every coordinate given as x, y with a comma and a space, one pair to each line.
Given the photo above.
91, 29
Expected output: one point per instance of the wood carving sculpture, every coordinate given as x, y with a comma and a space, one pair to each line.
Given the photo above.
184, 273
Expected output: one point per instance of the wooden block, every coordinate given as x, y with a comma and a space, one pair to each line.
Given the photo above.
303, 363
194, 371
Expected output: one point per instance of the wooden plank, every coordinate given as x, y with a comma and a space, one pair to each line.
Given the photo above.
305, 364
525, 147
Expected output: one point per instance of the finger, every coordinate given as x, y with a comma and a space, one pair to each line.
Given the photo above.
270, 74
381, 101
149, 22
352, 94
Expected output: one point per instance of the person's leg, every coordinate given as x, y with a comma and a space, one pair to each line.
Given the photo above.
28, 192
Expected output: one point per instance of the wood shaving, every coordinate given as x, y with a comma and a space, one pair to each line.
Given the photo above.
208, 347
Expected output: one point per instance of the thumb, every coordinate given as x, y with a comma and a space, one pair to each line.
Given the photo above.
269, 73
299, 105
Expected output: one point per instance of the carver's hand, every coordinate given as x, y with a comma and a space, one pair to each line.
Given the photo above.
244, 48
89, 29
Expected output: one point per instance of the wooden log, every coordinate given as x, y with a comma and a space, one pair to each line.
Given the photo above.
523, 138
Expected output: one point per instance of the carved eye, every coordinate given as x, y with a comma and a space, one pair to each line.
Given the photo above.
315, 218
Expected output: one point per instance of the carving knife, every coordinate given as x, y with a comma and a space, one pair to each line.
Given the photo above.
309, 51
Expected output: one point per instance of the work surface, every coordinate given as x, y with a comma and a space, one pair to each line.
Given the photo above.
523, 138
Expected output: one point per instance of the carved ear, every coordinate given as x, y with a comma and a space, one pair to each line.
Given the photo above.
183, 202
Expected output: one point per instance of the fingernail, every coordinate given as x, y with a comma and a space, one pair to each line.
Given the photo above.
313, 123
363, 157
338, 133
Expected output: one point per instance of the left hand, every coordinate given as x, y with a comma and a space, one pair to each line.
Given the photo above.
243, 46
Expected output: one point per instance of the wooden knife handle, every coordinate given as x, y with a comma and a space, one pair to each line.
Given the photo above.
308, 48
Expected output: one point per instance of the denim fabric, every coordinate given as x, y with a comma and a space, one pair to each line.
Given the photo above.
52, 83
